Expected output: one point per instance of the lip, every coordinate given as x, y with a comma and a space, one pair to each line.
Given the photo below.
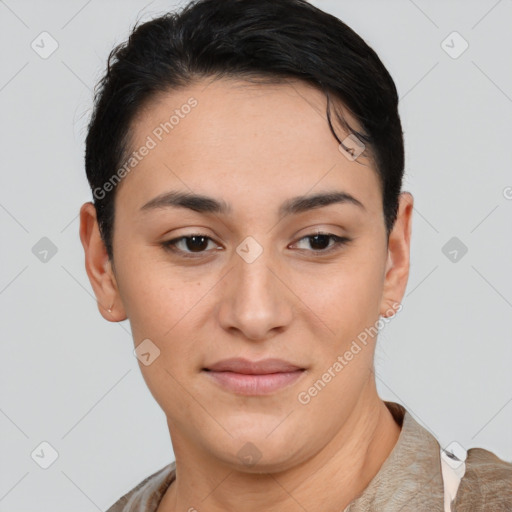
245, 377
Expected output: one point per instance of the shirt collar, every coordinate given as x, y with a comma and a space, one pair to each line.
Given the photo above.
410, 478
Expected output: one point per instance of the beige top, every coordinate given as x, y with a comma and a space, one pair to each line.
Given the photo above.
410, 479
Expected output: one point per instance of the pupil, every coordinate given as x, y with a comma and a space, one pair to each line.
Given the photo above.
322, 238
193, 245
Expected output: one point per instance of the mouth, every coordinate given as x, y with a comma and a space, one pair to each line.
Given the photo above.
253, 378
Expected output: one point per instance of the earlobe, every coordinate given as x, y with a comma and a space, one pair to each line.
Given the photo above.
98, 266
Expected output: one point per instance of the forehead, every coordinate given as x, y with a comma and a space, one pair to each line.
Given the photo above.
255, 137
293, 109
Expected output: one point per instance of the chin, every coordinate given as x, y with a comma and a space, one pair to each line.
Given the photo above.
262, 449
271, 430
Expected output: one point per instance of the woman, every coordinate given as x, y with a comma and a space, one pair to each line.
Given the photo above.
246, 160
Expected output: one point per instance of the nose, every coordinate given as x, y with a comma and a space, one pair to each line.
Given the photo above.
255, 303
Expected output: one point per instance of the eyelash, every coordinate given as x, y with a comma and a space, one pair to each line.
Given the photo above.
339, 241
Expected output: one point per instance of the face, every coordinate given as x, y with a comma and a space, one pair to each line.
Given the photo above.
283, 257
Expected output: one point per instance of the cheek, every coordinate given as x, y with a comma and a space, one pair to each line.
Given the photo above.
165, 312
346, 298
155, 295
167, 309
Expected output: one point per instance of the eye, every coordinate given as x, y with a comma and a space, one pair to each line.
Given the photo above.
193, 246
188, 245
320, 242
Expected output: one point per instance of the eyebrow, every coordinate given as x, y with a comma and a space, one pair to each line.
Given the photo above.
205, 204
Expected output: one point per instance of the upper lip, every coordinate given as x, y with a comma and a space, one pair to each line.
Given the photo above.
265, 366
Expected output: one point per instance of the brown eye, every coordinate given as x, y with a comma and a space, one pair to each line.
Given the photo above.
196, 243
320, 242
187, 245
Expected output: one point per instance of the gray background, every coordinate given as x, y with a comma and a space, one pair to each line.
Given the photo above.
68, 377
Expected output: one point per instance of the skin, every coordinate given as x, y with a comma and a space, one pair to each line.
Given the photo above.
255, 146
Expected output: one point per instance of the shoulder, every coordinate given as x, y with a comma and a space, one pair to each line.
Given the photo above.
148, 491
487, 483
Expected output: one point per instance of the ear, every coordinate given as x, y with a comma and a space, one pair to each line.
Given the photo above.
99, 267
397, 265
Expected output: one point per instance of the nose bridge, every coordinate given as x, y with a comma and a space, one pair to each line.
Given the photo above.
252, 267
254, 301
254, 279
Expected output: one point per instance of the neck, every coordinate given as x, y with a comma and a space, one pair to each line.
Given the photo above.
337, 474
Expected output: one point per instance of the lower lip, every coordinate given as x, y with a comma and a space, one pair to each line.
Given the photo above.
244, 384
